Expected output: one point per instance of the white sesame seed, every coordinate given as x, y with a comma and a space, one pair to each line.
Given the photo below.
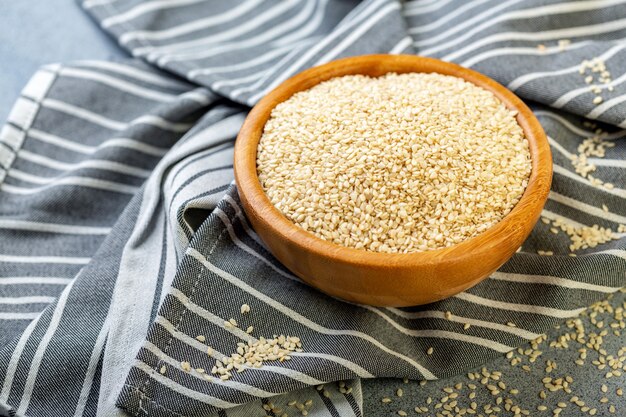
377, 164
245, 308
200, 338
163, 370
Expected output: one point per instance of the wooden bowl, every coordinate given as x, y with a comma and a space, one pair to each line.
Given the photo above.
384, 279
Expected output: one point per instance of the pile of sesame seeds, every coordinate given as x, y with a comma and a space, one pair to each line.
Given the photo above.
400, 163
251, 354
582, 236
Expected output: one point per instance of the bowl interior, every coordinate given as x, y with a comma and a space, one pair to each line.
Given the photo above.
505, 236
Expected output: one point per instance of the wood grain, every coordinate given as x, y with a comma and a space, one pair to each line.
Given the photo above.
378, 278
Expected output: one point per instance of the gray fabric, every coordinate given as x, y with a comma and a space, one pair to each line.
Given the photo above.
111, 173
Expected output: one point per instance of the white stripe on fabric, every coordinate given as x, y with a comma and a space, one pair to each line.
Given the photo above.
219, 322
207, 315
136, 73
521, 80
83, 114
27, 300
229, 226
587, 208
93, 3
413, 10
244, 221
191, 26
259, 59
319, 47
270, 75
89, 163
92, 366
204, 51
100, 120
570, 32
143, 8
15, 359
290, 373
401, 46
134, 145
228, 35
309, 28
180, 389
118, 84
35, 362
521, 51
441, 334
550, 280
43, 259
446, 18
144, 242
336, 50
533, 12
575, 129
17, 224
34, 281
468, 23
431, 314
614, 252
570, 95
84, 149
60, 142
358, 370
564, 99
248, 389
620, 192
607, 105
19, 316
86, 182
554, 216
520, 308
302, 319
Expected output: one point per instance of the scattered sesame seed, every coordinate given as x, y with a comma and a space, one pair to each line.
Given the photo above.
186, 366
200, 338
245, 308
466, 326
597, 100
386, 400
430, 351
163, 370
399, 392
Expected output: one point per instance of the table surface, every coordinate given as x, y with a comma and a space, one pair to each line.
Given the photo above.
36, 32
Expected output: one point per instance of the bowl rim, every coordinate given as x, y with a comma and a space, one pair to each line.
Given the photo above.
251, 191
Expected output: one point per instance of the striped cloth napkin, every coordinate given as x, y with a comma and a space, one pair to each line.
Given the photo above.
123, 240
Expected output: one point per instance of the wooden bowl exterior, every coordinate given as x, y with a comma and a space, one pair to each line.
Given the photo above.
379, 278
